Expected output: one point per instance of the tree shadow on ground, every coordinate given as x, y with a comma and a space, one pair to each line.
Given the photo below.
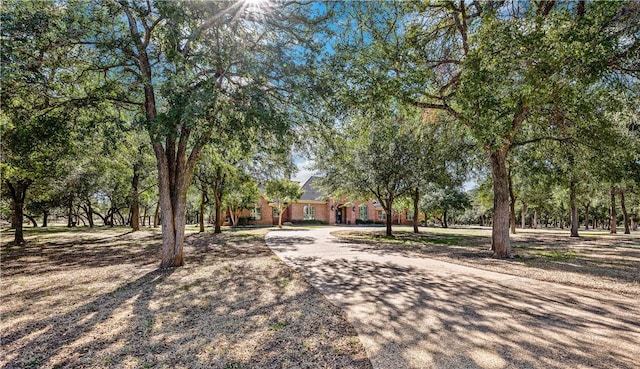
611, 259
70, 252
428, 319
233, 304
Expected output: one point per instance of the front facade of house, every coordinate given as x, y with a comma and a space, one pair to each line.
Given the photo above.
315, 207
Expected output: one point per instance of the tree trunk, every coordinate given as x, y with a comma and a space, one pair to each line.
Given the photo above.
535, 218
500, 242
70, 222
444, 219
104, 221
14, 214
218, 224
523, 215
613, 220
31, 219
586, 216
45, 217
90, 213
156, 215
19, 196
122, 221
233, 215
203, 201
79, 218
416, 201
144, 216
280, 217
174, 177
135, 201
625, 215
575, 221
512, 205
389, 222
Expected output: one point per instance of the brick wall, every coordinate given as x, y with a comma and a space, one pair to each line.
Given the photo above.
322, 211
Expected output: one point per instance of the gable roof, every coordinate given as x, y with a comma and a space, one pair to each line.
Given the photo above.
311, 191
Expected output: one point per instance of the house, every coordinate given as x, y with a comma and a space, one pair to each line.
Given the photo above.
315, 206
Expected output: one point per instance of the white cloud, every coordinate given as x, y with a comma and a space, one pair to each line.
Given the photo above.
304, 169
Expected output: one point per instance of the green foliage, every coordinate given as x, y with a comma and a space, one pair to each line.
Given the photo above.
445, 199
369, 155
280, 326
514, 73
281, 193
309, 221
363, 221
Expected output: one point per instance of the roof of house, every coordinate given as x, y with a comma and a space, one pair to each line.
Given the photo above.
311, 191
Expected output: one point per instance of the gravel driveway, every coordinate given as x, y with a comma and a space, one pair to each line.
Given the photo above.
415, 312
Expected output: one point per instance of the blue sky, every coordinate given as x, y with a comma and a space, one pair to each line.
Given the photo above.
304, 172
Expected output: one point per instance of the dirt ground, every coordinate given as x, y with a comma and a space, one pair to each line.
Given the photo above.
595, 260
95, 299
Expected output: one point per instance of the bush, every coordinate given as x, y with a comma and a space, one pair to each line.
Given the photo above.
362, 221
308, 221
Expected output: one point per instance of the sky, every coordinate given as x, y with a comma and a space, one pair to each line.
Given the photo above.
304, 170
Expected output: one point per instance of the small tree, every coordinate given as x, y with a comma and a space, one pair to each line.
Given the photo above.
440, 202
243, 194
281, 193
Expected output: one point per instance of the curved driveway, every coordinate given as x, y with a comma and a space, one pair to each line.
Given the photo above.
413, 312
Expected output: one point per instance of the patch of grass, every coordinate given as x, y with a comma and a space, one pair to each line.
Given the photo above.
187, 287
408, 238
390, 239
279, 326
557, 255
33, 362
233, 366
451, 241
283, 282
526, 247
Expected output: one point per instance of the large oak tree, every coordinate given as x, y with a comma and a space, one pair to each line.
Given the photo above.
196, 70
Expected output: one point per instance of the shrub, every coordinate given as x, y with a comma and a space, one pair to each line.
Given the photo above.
308, 221
363, 221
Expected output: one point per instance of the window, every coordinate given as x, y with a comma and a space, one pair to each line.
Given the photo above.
382, 215
362, 212
276, 213
309, 212
256, 212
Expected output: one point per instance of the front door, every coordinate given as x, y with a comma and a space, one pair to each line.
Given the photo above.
338, 215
